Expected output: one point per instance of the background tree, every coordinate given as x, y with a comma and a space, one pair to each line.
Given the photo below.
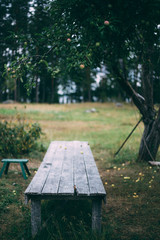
14, 22
35, 32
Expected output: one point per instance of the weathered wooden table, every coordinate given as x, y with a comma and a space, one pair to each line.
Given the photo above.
68, 172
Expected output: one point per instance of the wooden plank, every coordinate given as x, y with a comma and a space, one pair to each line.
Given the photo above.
54, 176
50, 151
81, 185
95, 184
37, 183
66, 185
154, 163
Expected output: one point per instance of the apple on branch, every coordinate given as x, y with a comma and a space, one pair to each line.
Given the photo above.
106, 22
82, 66
68, 40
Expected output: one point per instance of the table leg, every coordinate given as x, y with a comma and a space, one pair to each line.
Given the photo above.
96, 215
35, 216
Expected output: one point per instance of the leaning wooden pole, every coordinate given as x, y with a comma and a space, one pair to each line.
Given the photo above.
128, 136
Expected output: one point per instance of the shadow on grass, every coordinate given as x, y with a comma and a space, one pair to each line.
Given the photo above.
68, 220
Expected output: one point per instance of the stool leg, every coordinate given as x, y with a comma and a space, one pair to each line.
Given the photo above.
23, 172
4, 166
26, 168
7, 167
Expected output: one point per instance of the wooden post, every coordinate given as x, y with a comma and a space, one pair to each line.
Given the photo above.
35, 216
96, 215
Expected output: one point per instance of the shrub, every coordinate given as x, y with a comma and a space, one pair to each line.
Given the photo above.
18, 137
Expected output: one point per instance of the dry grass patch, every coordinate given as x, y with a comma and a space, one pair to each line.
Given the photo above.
56, 130
65, 107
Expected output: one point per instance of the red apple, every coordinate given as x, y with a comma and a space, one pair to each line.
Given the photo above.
82, 66
106, 23
68, 40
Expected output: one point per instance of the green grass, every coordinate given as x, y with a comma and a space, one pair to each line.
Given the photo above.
8, 112
132, 210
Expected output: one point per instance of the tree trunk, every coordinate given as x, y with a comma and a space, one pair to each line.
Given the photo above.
88, 81
52, 90
18, 91
43, 91
150, 141
37, 90
15, 89
151, 136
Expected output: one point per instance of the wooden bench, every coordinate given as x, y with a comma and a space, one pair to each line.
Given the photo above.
67, 172
22, 162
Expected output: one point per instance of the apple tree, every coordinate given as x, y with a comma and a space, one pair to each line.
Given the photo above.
115, 33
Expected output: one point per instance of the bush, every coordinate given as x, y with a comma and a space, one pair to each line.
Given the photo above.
18, 137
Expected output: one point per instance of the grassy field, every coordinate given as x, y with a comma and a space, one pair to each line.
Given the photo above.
133, 190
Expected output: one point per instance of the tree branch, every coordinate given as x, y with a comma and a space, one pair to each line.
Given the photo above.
138, 100
146, 82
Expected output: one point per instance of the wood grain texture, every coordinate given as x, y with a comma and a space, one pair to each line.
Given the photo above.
95, 184
81, 184
54, 176
37, 183
68, 169
66, 185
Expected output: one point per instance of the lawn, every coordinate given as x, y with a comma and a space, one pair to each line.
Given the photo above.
133, 191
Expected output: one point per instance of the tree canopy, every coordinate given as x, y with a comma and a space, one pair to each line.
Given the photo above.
61, 43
